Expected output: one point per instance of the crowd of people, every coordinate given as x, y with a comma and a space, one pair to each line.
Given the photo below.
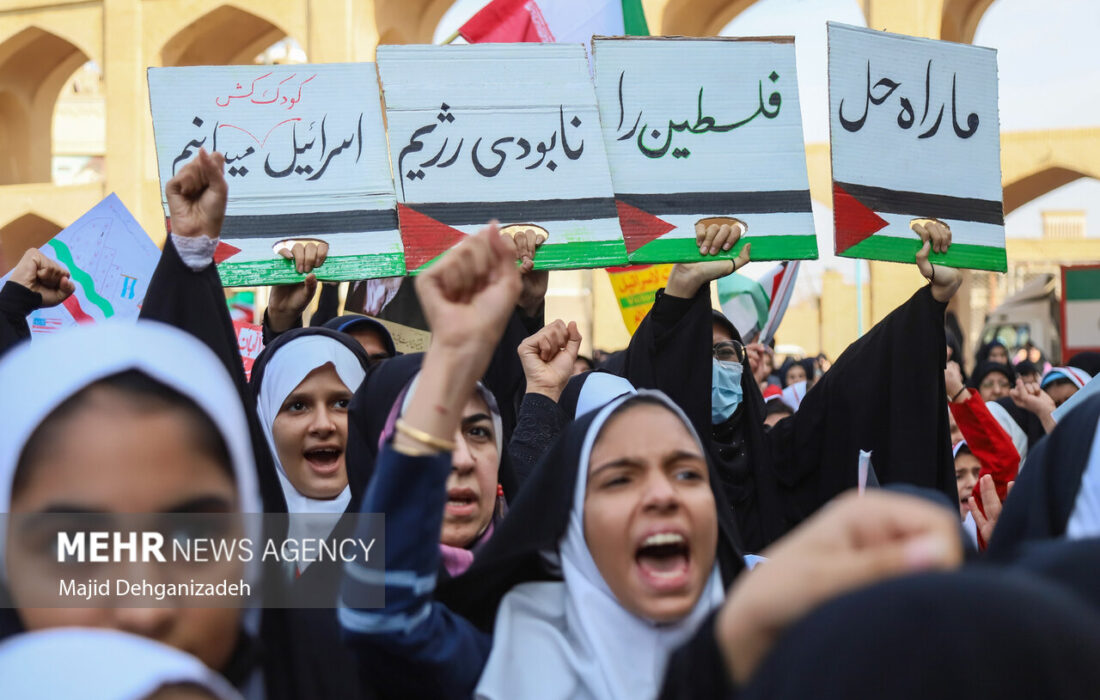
679, 519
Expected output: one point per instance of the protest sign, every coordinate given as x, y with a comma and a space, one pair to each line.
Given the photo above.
499, 131
914, 134
110, 259
705, 129
250, 341
635, 289
1080, 310
407, 339
305, 158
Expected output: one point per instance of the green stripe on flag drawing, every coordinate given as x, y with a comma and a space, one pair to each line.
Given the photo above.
1082, 285
281, 270
65, 256
634, 23
904, 250
573, 255
665, 250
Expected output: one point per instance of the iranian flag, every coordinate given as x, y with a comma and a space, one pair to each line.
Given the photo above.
1080, 309
564, 21
755, 307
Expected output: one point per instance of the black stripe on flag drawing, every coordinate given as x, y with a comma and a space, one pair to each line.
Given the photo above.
694, 203
313, 223
479, 213
932, 206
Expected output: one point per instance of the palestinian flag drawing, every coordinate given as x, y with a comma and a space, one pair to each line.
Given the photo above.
705, 130
914, 135
499, 131
305, 159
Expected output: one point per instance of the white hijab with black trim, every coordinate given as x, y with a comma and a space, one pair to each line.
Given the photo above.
287, 368
572, 638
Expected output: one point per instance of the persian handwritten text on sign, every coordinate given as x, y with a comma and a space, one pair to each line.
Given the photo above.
705, 128
914, 133
305, 158
499, 131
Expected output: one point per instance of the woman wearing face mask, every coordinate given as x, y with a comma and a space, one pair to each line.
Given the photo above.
99, 416
883, 391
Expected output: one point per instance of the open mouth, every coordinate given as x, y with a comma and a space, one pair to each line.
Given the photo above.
461, 502
664, 560
324, 461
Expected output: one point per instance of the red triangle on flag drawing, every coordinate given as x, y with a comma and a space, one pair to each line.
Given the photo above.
639, 227
224, 251
854, 221
424, 238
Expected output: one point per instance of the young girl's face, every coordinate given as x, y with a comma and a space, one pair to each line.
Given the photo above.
109, 457
649, 515
967, 469
311, 434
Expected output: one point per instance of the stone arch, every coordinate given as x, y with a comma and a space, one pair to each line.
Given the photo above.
34, 65
700, 17
226, 35
1035, 185
960, 19
1036, 162
408, 21
27, 231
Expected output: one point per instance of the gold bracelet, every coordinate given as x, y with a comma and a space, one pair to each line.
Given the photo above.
424, 438
412, 451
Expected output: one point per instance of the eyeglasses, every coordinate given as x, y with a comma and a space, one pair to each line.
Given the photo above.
729, 351
994, 384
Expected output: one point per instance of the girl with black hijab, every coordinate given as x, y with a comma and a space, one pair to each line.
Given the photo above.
994, 351
883, 395
993, 380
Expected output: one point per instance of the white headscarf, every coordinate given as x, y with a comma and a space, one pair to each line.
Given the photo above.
1084, 521
1015, 432
573, 639
39, 377
286, 369
98, 664
600, 388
